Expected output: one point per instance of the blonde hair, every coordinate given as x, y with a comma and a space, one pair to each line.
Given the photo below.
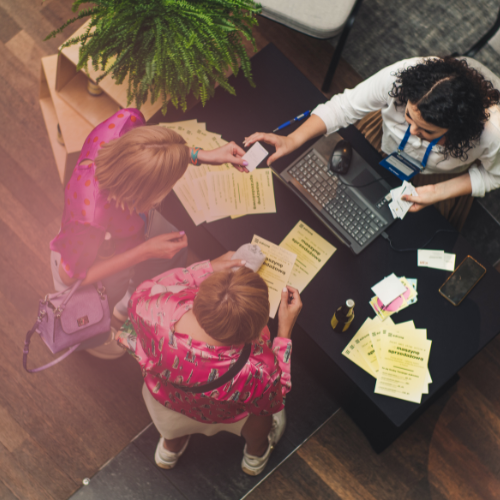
232, 307
141, 167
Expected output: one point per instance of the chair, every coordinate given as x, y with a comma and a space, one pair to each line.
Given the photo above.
321, 19
484, 39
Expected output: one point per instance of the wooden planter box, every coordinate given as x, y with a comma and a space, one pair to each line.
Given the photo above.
64, 100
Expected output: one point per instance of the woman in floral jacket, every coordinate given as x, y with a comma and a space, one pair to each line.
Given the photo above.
189, 326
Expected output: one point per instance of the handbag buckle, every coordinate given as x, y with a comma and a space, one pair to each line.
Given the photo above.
57, 312
41, 315
102, 292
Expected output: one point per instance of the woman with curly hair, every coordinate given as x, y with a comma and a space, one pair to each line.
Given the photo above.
437, 98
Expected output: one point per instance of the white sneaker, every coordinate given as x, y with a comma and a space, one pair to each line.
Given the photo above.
253, 466
168, 459
117, 313
109, 350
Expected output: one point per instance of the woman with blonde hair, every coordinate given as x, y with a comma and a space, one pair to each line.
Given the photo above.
124, 170
207, 359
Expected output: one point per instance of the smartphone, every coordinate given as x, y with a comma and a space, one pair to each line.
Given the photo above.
462, 281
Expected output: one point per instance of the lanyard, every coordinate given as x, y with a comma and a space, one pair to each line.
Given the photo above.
428, 150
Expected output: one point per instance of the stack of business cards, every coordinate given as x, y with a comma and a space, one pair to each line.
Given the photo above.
399, 207
436, 259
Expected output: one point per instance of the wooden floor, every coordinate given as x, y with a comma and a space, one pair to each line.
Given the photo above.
60, 426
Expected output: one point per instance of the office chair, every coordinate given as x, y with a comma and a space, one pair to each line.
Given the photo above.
321, 19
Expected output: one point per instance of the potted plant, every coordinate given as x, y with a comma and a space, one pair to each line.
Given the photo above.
168, 48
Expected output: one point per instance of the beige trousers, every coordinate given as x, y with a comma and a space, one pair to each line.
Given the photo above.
172, 424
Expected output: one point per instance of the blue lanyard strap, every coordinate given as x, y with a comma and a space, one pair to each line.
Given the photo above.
428, 150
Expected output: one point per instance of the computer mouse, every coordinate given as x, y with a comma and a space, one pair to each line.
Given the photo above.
341, 158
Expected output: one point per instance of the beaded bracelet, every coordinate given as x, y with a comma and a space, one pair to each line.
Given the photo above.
194, 155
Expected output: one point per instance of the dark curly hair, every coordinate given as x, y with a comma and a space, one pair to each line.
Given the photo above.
450, 94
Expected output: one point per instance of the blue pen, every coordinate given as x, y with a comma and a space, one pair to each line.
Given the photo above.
293, 120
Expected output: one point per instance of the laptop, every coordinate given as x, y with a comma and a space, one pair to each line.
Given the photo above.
356, 215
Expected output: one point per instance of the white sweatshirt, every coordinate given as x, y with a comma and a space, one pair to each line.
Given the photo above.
373, 95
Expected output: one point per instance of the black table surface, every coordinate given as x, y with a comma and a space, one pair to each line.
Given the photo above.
457, 333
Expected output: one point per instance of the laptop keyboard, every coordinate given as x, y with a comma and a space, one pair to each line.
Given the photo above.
325, 187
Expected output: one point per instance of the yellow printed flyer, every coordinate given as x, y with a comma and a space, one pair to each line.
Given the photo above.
234, 193
403, 368
275, 271
312, 253
351, 350
259, 191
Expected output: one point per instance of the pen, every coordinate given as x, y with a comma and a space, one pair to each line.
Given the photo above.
296, 119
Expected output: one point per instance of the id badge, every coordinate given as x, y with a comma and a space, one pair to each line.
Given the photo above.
403, 166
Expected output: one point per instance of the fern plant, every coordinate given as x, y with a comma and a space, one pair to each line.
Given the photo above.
166, 47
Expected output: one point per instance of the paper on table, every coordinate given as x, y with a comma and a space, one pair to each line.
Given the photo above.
351, 352
254, 156
377, 334
235, 193
225, 193
367, 350
275, 271
183, 192
409, 332
403, 367
312, 253
388, 289
259, 190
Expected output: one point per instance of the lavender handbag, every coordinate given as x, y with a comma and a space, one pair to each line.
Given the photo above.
70, 319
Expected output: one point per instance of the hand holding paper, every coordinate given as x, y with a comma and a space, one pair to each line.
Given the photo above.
398, 206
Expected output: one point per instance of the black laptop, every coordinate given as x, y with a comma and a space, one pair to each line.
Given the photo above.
356, 215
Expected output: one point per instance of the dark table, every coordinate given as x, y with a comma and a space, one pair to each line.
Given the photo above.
458, 333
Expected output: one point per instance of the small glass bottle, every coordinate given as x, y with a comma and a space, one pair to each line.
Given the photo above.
343, 317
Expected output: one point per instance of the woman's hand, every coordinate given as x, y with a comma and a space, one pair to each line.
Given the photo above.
230, 153
312, 127
224, 262
427, 195
432, 193
283, 144
288, 312
165, 246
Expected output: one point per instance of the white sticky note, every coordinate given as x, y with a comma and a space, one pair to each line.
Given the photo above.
388, 289
254, 156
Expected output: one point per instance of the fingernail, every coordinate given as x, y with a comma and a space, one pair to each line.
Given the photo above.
182, 233
285, 289
245, 163
243, 262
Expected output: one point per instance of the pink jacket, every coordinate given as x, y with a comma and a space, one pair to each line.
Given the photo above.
167, 356
88, 214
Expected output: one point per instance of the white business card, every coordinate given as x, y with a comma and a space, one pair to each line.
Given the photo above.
254, 156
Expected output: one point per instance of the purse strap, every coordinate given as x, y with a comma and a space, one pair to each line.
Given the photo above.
72, 290
231, 373
48, 365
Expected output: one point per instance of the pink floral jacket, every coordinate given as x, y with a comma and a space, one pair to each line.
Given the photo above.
167, 356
